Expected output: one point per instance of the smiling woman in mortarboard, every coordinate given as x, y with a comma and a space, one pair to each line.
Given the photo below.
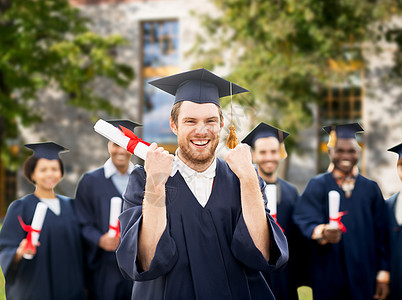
52, 268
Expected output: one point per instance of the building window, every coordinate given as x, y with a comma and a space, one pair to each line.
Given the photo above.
160, 57
342, 101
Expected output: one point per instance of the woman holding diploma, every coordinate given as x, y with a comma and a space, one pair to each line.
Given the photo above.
40, 246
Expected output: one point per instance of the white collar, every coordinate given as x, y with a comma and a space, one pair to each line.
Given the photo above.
110, 168
187, 172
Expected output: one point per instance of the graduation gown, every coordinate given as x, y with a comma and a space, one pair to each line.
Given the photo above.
204, 252
395, 232
284, 282
353, 263
93, 195
56, 271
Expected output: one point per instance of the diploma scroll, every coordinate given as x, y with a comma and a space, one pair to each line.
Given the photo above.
127, 139
270, 192
36, 227
115, 209
334, 200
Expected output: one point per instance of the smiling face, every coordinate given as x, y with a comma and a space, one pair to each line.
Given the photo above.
47, 174
266, 155
120, 156
198, 129
345, 155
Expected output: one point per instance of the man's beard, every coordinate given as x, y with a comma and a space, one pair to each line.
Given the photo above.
269, 174
188, 155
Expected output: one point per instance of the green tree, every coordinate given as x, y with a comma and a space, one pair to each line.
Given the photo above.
48, 43
281, 50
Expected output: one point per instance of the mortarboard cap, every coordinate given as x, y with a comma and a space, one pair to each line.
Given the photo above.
48, 150
199, 86
397, 149
264, 130
344, 131
125, 123
341, 131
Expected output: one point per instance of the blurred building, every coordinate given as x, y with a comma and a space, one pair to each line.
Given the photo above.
160, 33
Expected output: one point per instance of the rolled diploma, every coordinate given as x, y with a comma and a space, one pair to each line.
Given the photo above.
334, 199
115, 209
270, 192
37, 223
113, 134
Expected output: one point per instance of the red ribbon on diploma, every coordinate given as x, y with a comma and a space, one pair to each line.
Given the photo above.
134, 140
276, 221
29, 229
338, 220
116, 228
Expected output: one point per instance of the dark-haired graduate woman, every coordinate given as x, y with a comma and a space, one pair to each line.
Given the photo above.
55, 270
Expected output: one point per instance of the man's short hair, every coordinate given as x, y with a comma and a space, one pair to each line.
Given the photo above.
174, 114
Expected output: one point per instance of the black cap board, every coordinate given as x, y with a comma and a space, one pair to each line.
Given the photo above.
397, 149
263, 130
125, 123
199, 86
48, 150
344, 131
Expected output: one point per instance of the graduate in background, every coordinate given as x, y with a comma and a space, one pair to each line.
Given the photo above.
351, 260
267, 144
93, 203
395, 232
203, 233
55, 270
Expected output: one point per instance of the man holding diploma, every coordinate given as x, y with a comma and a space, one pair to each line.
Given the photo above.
204, 233
97, 205
268, 149
350, 258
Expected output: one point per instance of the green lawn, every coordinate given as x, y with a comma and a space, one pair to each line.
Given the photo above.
305, 293
2, 292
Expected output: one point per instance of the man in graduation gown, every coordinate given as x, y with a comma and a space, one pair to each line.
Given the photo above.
350, 261
204, 232
395, 232
94, 192
267, 144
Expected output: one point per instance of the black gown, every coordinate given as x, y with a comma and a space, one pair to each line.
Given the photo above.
92, 205
204, 252
284, 282
395, 232
349, 267
56, 271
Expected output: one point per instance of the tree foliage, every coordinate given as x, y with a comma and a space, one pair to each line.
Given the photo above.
48, 43
281, 49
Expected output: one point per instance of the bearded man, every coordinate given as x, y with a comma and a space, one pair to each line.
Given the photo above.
205, 232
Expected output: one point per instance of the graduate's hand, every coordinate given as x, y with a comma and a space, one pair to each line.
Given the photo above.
109, 243
332, 235
158, 165
381, 290
21, 250
240, 162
